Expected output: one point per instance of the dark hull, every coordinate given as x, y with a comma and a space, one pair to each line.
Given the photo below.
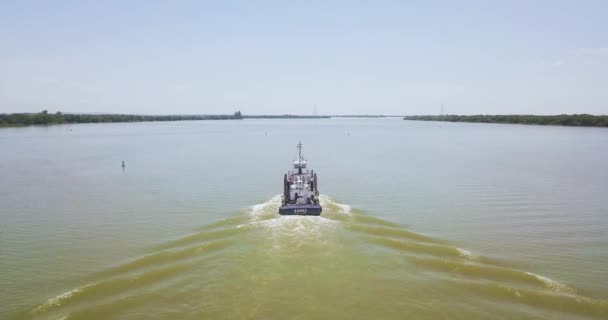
301, 210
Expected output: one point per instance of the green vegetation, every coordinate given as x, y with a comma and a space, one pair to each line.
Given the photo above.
45, 118
582, 120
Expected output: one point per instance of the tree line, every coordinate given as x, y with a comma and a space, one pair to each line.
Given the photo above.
46, 118
582, 120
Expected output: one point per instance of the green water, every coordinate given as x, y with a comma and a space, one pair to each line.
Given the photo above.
421, 221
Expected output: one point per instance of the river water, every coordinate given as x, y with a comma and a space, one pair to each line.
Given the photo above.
421, 220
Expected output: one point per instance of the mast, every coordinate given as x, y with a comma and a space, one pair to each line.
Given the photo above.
300, 157
300, 151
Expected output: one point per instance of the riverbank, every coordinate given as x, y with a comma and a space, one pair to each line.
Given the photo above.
575, 120
45, 118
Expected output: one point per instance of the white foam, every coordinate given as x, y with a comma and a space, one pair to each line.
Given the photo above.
327, 201
269, 207
324, 199
297, 224
344, 208
60, 299
295, 231
552, 284
265, 215
466, 253
547, 282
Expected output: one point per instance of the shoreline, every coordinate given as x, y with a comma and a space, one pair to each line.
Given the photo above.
564, 120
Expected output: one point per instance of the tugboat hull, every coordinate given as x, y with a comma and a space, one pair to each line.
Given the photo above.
302, 210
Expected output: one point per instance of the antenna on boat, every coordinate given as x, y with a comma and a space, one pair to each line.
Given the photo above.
300, 150
300, 157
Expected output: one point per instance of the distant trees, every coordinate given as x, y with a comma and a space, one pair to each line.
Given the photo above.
45, 118
585, 120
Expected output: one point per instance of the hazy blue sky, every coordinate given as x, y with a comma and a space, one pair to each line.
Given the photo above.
395, 57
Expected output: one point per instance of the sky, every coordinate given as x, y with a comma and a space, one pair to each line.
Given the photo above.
302, 57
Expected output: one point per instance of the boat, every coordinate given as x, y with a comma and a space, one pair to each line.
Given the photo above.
300, 189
